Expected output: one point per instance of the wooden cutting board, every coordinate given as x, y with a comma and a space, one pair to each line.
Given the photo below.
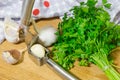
28, 70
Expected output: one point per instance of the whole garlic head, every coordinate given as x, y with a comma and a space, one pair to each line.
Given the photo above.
13, 31
47, 35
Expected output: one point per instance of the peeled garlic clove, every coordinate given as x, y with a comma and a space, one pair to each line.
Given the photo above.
13, 31
11, 56
38, 50
47, 35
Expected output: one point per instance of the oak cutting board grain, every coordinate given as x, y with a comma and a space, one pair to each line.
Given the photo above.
28, 70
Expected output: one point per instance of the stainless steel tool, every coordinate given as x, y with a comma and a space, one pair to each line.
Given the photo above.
26, 11
47, 60
30, 40
27, 7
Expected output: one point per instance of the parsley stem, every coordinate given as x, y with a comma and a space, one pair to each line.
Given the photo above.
102, 62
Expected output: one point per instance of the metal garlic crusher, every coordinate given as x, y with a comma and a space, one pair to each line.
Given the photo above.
31, 40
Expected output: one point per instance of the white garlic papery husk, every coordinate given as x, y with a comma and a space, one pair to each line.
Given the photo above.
13, 31
38, 50
47, 35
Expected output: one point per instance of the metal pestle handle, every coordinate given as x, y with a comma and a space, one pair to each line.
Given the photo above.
27, 7
64, 74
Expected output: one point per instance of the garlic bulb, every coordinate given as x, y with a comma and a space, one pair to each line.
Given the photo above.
38, 50
47, 35
13, 31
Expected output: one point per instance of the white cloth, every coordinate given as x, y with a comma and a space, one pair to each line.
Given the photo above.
45, 9
2, 36
41, 9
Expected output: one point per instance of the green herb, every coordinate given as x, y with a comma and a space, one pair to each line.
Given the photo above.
88, 37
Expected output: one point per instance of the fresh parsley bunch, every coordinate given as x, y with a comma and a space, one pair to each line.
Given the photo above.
88, 37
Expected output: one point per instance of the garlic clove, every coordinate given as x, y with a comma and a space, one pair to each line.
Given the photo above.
38, 50
13, 31
11, 56
47, 35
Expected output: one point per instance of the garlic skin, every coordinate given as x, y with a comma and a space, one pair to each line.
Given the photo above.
38, 50
12, 31
9, 58
47, 35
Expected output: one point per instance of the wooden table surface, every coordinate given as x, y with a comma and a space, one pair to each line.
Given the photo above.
28, 70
